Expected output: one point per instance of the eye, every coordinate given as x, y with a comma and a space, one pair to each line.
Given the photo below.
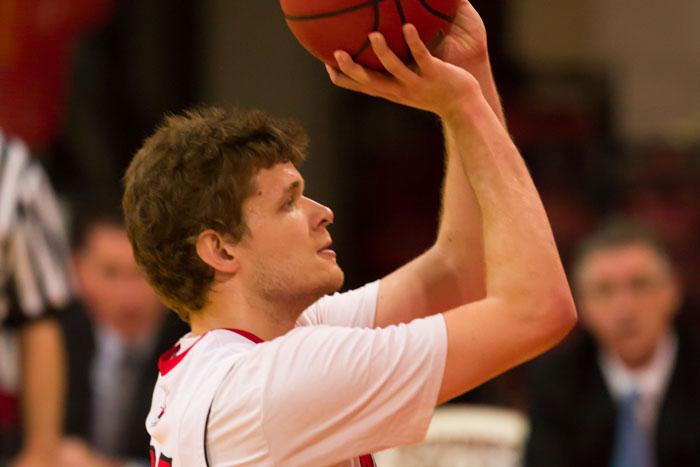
290, 203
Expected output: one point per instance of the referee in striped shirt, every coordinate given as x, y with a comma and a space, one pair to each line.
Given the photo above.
34, 285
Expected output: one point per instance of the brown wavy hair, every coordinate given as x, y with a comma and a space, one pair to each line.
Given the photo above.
193, 174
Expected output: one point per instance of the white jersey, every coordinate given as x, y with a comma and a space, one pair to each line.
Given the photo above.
328, 392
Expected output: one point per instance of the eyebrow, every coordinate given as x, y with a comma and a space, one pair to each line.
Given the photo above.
296, 184
295, 187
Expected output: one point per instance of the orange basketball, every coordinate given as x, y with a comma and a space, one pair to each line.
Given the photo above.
324, 26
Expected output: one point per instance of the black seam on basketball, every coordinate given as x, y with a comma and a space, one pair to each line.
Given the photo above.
329, 14
361, 50
375, 27
436, 12
402, 17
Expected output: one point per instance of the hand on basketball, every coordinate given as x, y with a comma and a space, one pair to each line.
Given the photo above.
466, 41
432, 85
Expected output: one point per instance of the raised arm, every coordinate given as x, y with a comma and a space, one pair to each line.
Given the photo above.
528, 306
451, 272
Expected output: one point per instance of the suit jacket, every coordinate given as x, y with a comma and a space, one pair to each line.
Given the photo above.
573, 415
81, 349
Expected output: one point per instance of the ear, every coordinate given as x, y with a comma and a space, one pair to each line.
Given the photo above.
214, 250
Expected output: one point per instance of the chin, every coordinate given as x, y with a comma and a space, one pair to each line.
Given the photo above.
334, 282
637, 356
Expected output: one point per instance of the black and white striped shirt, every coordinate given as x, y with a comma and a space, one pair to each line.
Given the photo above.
34, 251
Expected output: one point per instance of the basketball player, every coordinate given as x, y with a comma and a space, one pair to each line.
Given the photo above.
274, 371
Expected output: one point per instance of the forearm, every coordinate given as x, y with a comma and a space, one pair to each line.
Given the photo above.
43, 365
460, 241
528, 306
459, 245
450, 273
518, 242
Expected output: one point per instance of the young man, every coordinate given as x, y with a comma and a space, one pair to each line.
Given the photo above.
270, 374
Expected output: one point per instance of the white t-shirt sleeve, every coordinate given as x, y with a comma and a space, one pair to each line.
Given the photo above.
355, 308
330, 394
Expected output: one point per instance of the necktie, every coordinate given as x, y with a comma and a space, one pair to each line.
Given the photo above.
632, 446
113, 404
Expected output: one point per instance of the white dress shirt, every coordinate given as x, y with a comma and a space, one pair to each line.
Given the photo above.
649, 381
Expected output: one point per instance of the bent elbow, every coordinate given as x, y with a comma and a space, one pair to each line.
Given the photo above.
559, 314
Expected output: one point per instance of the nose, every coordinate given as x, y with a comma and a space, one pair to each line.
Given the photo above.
322, 215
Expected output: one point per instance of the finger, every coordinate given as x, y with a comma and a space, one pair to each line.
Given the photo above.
345, 82
388, 58
420, 52
368, 78
352, 69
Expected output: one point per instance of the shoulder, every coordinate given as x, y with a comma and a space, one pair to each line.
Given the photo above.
354, 308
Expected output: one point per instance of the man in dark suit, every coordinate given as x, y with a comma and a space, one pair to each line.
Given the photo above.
627, 393
113, 344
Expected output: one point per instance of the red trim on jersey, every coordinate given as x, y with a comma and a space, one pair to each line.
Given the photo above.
248, 335
367, 461
170, 358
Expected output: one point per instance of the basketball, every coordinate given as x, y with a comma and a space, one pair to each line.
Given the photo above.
324, 26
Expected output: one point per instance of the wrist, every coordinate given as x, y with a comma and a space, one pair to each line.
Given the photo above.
477, 63
480, 68
465, 109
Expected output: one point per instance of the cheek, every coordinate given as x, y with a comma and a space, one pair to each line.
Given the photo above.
285, 238
660, 311
98, 288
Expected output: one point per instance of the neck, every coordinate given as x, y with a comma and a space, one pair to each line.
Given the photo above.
264, 318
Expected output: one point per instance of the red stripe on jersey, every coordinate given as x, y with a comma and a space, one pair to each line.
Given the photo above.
248, 335
367, 461
170, 358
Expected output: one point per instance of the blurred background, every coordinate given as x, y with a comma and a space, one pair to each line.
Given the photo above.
601, 96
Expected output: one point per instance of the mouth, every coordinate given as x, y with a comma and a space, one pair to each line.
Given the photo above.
326, 252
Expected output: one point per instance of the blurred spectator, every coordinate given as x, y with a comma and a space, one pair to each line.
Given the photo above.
34, 285
628, 392
113, 344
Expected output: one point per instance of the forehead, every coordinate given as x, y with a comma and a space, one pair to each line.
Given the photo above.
277, 177
104, 235
106, 242
621, 261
